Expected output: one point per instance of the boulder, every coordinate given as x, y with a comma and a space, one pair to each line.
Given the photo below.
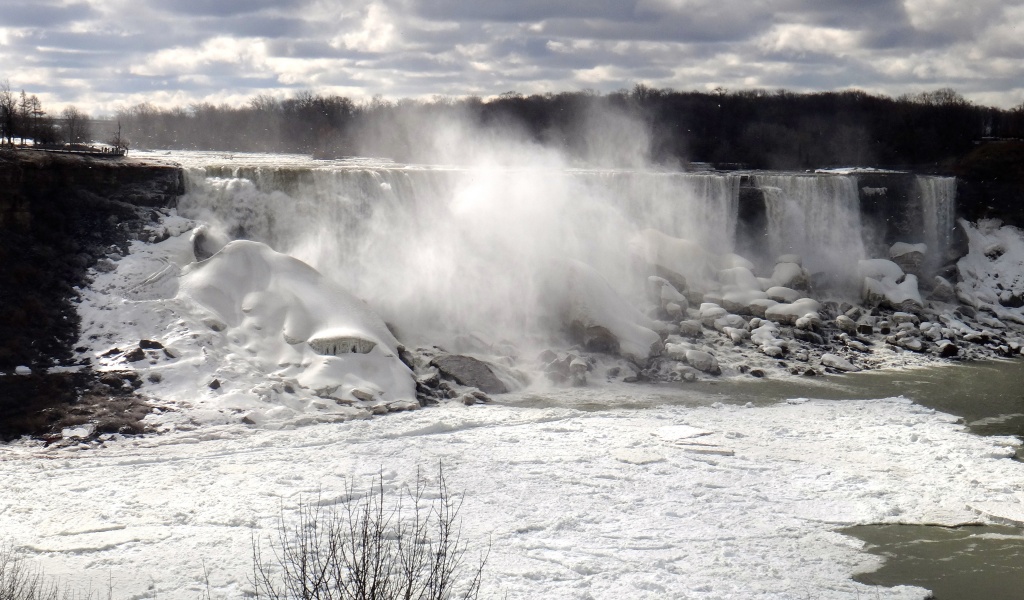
846, 324
943, 290
791, 275
691, 328
909, 257
783, 295
703, 361
788, 314
838, 363
468, 371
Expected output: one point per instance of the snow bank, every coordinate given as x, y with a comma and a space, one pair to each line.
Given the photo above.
992, 272
249, 335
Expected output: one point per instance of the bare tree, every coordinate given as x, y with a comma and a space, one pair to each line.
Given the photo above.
75, 124
370, 549
8, 113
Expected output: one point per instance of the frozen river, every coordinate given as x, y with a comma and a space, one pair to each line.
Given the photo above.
655, 499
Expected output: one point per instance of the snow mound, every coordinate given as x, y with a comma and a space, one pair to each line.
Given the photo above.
291, 322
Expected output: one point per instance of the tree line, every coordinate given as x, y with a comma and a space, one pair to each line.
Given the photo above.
775, 129
23, 118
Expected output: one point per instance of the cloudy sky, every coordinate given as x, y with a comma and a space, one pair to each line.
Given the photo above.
101, 54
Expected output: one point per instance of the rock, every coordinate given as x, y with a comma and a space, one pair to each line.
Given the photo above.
865, 329
703, 361
691, 328
547, 356
854, 344
594, 338
578, 371
214, 385
674, 310
788, 313
709, 312
783, 295
363, 395
22, 370
943, 290
808, 322
910, 343
105, 265
808, 336
733, 321
468, 371
135, 355
903, 317
947, 349
790, 258
759, 373
838, 363
748, 302
736, 335
909, 257
846, 324
155, 377
791, 275
150, 345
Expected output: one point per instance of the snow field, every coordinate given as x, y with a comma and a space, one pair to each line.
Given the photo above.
669, 502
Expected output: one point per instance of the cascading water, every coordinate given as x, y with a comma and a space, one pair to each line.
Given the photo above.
443, 252
938, 208
816, 217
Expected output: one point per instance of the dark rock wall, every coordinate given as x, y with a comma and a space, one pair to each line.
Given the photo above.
59, 214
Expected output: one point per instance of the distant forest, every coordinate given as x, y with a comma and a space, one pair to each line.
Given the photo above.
749, 128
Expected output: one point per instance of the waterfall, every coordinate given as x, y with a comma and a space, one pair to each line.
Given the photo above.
460, 251
938, 210
815, 216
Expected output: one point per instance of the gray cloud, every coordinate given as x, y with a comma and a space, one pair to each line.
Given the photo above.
102, 53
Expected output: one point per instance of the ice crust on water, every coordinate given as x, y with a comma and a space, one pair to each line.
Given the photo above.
702, 502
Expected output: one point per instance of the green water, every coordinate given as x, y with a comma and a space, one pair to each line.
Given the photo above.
962, 563
988, 395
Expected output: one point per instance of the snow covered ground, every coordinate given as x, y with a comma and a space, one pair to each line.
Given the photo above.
668, 502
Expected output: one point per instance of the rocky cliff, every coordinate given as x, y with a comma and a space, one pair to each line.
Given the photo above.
60, 215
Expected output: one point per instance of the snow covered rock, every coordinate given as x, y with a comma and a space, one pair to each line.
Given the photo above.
791, 275
909, 257
703, 361
838, 363
783, 295
879, 268
846, 324
903, 296
942, 290
277, 319
788, 314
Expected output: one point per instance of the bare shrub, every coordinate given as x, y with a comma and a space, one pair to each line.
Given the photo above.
20, 580
370, 547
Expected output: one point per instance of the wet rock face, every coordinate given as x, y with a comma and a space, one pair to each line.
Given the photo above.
468, 371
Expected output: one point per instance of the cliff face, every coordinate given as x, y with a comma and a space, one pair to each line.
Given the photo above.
59, 215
